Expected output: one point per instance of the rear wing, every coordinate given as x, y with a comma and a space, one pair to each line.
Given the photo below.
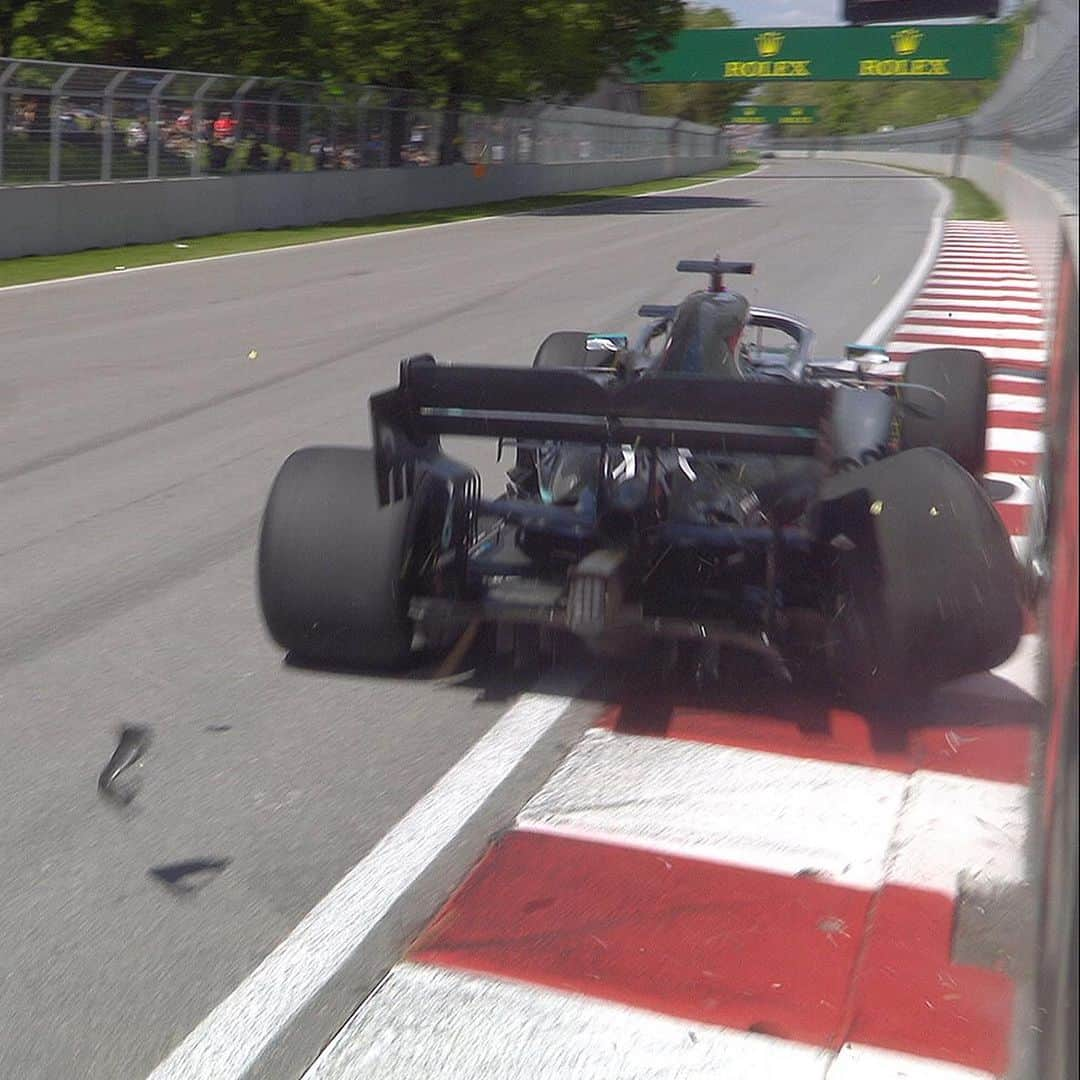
655, 410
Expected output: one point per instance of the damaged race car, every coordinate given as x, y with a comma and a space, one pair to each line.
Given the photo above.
710, 486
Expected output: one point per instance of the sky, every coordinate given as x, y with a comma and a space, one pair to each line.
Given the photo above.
797, 12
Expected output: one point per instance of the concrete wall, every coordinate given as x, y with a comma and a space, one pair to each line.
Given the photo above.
48, 219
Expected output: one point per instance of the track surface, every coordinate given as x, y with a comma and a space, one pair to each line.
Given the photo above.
137, 443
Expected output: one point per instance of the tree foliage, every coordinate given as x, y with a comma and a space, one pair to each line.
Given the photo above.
452, 48
703, 103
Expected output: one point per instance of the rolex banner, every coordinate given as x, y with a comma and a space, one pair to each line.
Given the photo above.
786, 115
829, 54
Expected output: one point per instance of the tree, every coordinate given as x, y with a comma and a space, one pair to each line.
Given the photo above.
703, 103
446, 50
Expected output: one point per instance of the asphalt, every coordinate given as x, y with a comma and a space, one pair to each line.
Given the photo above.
142, 419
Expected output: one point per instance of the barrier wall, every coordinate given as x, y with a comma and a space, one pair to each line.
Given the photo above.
49, 219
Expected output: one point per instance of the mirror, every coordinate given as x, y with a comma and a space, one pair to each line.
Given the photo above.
769, 346
867, 357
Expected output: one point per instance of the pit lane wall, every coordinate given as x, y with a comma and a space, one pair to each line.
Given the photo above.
49, 219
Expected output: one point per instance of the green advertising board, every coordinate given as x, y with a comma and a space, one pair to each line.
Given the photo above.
787, 115
829, 54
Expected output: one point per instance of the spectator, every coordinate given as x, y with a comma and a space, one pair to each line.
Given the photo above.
256, 161
224, 126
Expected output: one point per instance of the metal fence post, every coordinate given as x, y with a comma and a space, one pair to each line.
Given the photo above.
305, 120
154, 134
197, 117
5, 77
109, 118
54, 124
238, 110
272, 126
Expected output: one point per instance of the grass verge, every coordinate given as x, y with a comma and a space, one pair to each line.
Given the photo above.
31, 268
970, 203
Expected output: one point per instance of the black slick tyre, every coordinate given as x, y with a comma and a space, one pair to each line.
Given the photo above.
563, 349
331, 561
926, 584
956, 425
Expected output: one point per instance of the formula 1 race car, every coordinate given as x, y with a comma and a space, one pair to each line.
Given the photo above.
710, 486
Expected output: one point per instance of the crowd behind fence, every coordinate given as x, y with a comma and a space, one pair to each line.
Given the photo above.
62, 123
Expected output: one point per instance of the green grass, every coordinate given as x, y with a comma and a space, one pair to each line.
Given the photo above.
31, 268
970, 203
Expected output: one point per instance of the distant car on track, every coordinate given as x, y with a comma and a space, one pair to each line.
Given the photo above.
711, 485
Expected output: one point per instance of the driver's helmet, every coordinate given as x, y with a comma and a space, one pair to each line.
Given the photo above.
705, 336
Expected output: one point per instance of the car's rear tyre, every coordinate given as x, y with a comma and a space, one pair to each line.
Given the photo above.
331, 562
927, 588
563, 349
958, 425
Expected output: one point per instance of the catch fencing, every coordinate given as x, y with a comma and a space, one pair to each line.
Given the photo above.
63, 123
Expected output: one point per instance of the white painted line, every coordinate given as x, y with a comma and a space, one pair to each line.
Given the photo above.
763, 811
1015, 440
986, 333
244, 1025
1017, 403
440, 1024
954, 830
891, 314
355, 239
857, 1062
991, 352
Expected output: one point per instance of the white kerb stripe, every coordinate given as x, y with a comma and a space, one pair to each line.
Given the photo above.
1023, 488
1018, 680
1017, 403
952, 300
960, 316
238, 1030
747, 808
991, 352
1015, 440
984, 333
440, 1024
857, 1062
960, 260
994, 277
955, 829
777, 813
